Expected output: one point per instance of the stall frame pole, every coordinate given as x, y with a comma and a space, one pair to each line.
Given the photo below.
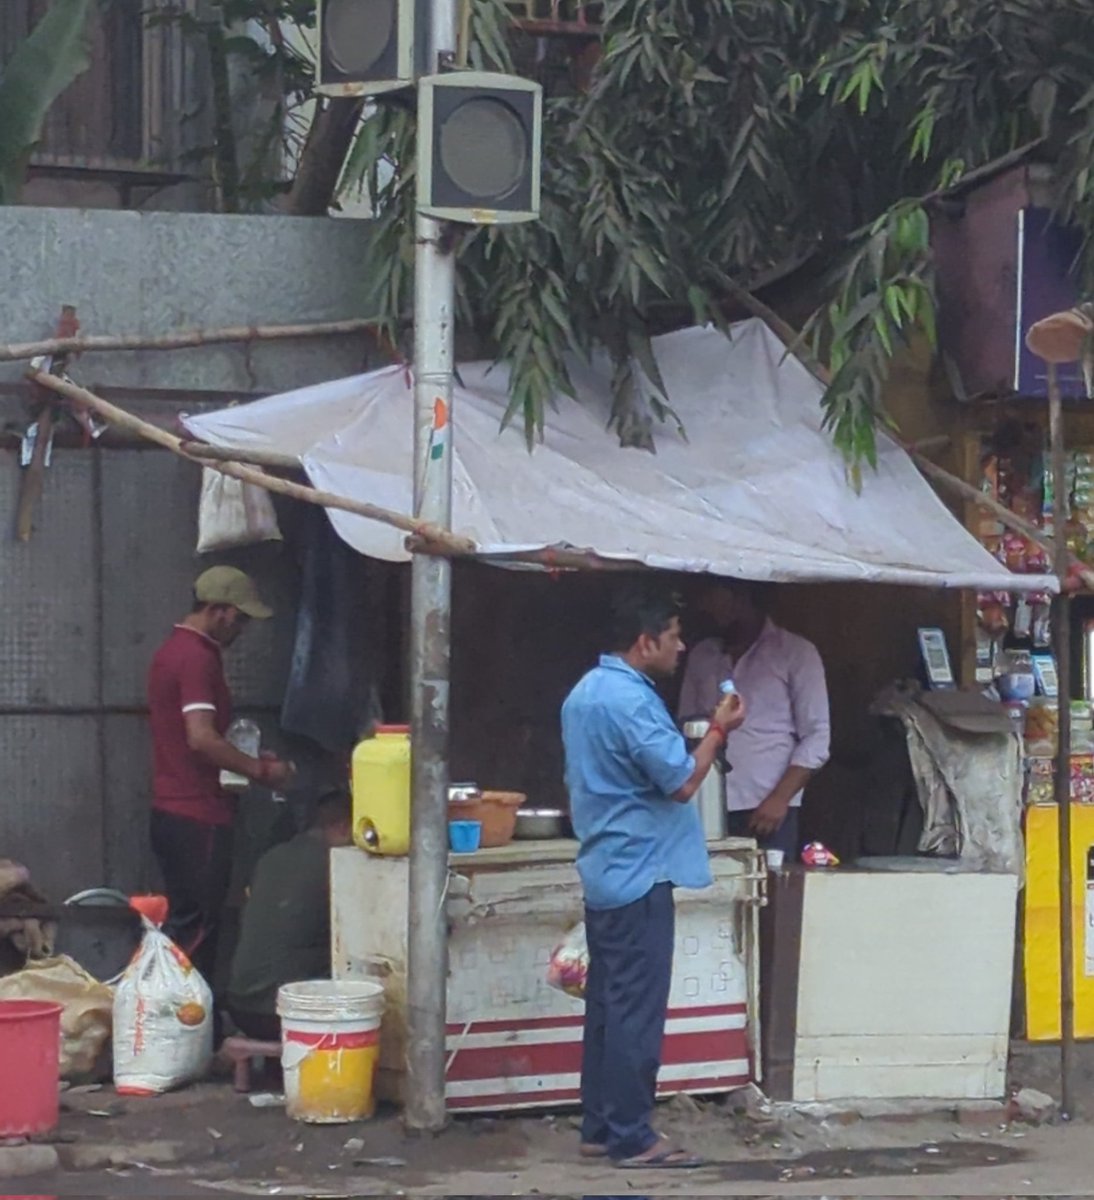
430, 646
1062, 639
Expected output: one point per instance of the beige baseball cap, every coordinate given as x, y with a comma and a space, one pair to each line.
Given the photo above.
229, 585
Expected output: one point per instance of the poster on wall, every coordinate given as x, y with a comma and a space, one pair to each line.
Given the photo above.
1047, 256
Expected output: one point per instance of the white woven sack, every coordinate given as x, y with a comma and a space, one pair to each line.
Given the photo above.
163, 1019
232, 513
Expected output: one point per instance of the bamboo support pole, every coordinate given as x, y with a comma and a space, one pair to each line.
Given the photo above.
1011, 520
551, 558
459, 547
186, 339
1061, 631
253, 458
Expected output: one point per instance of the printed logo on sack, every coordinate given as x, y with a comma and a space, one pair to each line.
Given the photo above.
191, 1014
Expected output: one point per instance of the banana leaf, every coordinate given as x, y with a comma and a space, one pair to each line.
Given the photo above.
54, 54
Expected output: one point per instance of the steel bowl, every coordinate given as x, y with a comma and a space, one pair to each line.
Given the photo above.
541, 824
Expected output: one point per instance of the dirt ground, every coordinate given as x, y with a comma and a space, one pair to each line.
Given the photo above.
206, 1140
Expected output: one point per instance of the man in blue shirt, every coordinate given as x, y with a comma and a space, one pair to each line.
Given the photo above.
630, 777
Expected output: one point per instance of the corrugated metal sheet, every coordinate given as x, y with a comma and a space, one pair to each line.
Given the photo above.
51, 817
48, 633
149, 503
126, 777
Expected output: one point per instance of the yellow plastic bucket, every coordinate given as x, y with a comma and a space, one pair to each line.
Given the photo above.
330, 1043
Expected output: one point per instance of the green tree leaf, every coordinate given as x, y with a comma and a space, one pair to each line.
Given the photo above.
53, 55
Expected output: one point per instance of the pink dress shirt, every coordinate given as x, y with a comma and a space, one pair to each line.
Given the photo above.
781, 679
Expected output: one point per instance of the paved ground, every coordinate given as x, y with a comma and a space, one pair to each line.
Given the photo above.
206, 1140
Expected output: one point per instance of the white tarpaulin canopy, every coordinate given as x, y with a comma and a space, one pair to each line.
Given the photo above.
756, 491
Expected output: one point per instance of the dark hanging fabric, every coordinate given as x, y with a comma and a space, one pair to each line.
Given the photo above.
337, 660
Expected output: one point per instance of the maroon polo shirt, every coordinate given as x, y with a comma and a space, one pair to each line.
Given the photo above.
187, 675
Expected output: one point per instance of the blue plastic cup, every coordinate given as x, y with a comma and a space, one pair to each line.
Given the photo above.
464, 836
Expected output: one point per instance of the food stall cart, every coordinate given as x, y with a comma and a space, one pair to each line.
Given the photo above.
512, 1040
757, 491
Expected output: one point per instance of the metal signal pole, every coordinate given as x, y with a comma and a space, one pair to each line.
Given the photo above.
430, 629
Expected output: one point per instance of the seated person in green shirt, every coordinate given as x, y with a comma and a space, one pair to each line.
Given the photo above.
284, 936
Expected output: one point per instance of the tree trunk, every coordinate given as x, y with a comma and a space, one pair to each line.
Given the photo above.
324, 154
225, 150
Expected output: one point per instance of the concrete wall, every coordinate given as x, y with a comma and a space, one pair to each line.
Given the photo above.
109, 567
133, 272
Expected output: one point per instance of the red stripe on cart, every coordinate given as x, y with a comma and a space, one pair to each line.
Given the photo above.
541, 1097
555, 1058
577, 1021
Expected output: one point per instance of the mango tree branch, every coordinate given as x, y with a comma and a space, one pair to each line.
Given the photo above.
183, 340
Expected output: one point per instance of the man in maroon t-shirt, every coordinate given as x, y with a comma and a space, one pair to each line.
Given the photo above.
189, 708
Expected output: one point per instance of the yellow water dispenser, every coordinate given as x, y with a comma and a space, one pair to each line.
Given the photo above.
381, 791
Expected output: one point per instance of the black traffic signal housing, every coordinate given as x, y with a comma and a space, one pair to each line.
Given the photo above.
479, 147
367, 47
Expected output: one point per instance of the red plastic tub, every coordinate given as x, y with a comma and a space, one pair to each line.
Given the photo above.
30, 1049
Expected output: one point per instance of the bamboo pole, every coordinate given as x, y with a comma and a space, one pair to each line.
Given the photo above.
459, 547
253, 458
1061, 629
183, 340
1011, 520
551, 558
1062, 337
33, 479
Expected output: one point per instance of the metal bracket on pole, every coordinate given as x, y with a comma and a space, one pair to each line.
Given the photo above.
430, 642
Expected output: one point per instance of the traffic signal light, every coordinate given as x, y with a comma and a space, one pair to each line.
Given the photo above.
370, 46
479, 140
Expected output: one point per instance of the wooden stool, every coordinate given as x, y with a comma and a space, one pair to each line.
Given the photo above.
241, 1052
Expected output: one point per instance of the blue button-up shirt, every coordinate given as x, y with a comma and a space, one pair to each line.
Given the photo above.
625, 759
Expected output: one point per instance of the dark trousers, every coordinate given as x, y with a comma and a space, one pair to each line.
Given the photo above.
784, 838
626, 998
263, 1027
196, 863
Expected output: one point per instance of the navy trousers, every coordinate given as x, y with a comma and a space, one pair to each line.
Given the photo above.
784, 838
626, 998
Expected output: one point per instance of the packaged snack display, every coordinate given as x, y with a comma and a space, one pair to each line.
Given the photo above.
816, 854
1042, 729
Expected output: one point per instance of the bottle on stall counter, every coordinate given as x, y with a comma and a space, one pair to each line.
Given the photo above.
246, 736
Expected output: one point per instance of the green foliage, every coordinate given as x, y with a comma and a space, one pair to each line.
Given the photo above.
731, 140
256, 40
53, 55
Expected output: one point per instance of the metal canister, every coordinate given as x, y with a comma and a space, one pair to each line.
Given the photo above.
710, 799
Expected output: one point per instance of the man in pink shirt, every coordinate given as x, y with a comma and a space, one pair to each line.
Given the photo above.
786, 736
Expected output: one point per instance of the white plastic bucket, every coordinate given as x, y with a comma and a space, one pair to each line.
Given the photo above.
330, 1042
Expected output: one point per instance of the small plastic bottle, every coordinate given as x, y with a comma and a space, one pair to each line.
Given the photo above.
727, 687
246, 736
